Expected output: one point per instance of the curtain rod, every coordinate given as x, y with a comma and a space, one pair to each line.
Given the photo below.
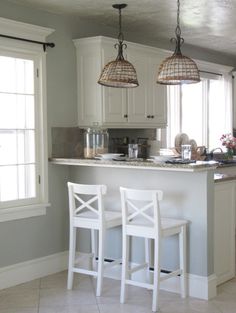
44, 44
207, 72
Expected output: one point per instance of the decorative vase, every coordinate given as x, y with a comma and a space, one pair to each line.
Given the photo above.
229, 154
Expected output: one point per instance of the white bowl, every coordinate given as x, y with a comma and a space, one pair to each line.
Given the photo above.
109, 156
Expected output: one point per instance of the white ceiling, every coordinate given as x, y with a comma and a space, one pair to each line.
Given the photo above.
205, 23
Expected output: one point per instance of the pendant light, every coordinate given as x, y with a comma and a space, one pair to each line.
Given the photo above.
178, 69
119, 73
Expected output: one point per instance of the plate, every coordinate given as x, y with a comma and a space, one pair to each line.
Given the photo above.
109, 156
181, 139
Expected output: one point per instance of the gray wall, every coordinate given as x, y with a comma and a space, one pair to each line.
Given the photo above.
40, 236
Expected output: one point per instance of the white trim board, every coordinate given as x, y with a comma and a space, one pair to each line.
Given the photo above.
26, 271
24, 30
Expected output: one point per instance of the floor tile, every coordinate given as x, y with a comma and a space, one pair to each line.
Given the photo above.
62, 297
59, 280
67, 309
14, 298
125, 308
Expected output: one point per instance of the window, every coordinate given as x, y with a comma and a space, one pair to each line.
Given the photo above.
23, 144
18, 159
202, 110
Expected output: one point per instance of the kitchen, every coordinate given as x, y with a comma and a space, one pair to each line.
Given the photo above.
37, 238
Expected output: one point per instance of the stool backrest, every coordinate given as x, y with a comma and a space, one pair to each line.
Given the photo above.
140, 207
86, 198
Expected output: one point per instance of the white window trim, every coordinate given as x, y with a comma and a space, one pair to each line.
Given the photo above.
37, 33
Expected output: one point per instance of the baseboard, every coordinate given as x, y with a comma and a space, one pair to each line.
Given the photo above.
26, 271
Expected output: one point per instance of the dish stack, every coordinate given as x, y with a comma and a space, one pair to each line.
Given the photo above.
110, 156
197, 152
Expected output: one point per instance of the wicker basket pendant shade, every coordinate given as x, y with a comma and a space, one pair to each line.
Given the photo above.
119, 73
178, 69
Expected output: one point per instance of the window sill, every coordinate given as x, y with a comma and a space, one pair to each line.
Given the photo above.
17, 213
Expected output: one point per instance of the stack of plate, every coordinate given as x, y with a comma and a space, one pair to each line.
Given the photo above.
109, 156
161, 158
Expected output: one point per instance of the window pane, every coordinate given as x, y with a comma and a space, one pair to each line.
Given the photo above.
216, 113
8, 183
24, 76
26, 181
29, 112
8, 111
7, 74
25, 146
8, 147
192, 111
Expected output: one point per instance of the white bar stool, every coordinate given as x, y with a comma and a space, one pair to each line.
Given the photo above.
141, 218
87, 211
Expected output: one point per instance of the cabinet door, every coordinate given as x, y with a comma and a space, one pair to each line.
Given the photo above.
114, 99
138, 97
89, 92
146, 103
224, 231
157, 95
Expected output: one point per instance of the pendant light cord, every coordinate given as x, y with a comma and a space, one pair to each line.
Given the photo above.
178, 40
120, 45
178, 30
120, 35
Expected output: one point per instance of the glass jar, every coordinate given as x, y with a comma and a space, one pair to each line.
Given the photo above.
102, 140
95, 142
89, 143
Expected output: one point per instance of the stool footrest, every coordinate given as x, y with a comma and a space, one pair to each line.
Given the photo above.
113, 263
137, 268
80, 256
172, 274
84, 271
139, 284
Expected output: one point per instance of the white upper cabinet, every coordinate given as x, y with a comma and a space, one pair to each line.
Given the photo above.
141, 107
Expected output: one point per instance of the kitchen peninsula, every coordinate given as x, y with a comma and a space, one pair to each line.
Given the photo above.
189, 193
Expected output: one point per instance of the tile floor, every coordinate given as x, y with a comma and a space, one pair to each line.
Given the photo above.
49, 295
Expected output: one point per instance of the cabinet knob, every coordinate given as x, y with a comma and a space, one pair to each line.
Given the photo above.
148, 116
152, 116
126, 115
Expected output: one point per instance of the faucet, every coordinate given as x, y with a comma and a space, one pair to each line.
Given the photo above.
212, 152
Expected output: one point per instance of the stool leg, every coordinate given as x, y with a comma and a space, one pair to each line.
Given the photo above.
101, 248
93, 248
72, 247
156, 277
125, 266
148, 258
182, 261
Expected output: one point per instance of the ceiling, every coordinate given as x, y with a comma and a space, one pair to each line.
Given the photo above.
209, 24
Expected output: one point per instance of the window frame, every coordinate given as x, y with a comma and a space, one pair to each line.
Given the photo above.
18, 209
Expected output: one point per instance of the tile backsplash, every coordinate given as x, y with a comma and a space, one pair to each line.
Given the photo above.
68, 142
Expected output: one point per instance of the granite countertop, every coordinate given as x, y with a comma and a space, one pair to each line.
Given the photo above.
138, 164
